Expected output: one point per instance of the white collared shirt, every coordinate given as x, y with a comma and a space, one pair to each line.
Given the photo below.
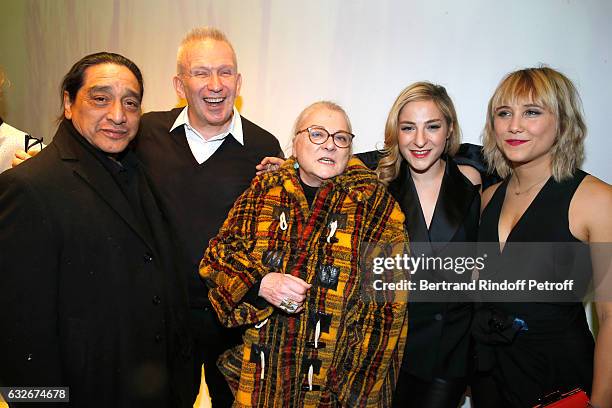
201, 148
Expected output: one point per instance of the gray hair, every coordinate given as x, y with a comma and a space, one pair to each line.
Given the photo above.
200, 34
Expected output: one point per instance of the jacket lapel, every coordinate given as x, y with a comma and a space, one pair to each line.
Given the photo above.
404, 192
453, 203
91, 171
454, 200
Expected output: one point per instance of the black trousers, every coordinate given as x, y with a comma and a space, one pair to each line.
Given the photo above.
412, 391
211, 339
486, 392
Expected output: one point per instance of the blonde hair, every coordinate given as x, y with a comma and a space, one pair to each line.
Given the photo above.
198, 35
556, 93
389, 164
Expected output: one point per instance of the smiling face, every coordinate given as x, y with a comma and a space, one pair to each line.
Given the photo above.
324, 161
422, 135
525, 131
210, 83
106, 109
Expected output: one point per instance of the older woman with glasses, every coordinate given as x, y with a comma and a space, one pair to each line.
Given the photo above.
286, 264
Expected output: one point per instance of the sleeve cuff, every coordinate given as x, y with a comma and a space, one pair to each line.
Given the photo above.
252, 297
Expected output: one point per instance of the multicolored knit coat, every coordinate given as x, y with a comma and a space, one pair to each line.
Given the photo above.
345, 348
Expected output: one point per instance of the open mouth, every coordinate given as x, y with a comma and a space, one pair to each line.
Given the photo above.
327, 161
214, 101
420, 154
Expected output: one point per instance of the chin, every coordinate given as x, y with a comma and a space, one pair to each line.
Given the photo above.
327, 176
516, 157
114, 148
420, 167
218, 119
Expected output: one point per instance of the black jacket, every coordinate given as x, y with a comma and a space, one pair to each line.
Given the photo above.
90, 296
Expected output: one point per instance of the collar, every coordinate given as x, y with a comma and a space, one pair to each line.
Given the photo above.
234, 129
455, 199
359, 182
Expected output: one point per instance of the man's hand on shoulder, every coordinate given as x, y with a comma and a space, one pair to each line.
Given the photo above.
269, 164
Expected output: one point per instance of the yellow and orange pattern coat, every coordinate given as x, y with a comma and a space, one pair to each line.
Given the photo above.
345, 348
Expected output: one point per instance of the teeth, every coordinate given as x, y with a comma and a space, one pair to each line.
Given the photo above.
326, 160
214, 100
420, 151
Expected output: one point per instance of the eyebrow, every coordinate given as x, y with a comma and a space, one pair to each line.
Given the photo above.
527, 105
109, 89
427, 121
216, 67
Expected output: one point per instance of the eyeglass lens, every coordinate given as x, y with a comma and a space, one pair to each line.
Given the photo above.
320, 136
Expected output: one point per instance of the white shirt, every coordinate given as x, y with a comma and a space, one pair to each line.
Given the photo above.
201, 148
11, 140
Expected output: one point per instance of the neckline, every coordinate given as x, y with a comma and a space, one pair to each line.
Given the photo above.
417, 202
503, 191
436, 205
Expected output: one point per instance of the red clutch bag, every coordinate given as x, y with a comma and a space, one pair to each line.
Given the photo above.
573, 399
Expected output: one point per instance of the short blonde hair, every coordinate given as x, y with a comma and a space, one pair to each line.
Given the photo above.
197, 35
556, 93
389, 164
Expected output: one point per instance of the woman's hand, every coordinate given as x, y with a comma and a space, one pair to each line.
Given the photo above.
284, 291
269, 164
21, 156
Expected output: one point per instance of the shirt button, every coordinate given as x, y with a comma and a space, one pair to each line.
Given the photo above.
158, 338
148, 257
438, 316
156, 300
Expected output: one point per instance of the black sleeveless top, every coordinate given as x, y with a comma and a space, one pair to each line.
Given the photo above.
555, 352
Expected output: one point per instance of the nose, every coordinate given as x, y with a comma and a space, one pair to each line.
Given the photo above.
214, 83
116, 113
329, 144
516, 125
420, 139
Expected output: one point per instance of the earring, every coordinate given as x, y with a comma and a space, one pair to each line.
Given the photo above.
296, 165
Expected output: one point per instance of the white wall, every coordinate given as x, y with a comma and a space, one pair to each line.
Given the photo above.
358, 53
291, 53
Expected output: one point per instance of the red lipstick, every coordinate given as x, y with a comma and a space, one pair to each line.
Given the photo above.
420, 154
515, 142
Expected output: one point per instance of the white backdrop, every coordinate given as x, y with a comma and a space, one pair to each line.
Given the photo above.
291, 53
358, 53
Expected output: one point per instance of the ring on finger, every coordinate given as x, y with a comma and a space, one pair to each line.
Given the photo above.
288, 305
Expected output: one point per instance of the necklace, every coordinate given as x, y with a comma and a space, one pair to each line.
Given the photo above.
518, 192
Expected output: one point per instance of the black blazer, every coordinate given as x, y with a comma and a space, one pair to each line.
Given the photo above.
438, 342
438, 332
90, 297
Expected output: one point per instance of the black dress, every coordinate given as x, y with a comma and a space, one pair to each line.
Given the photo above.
555, 352
436, 359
